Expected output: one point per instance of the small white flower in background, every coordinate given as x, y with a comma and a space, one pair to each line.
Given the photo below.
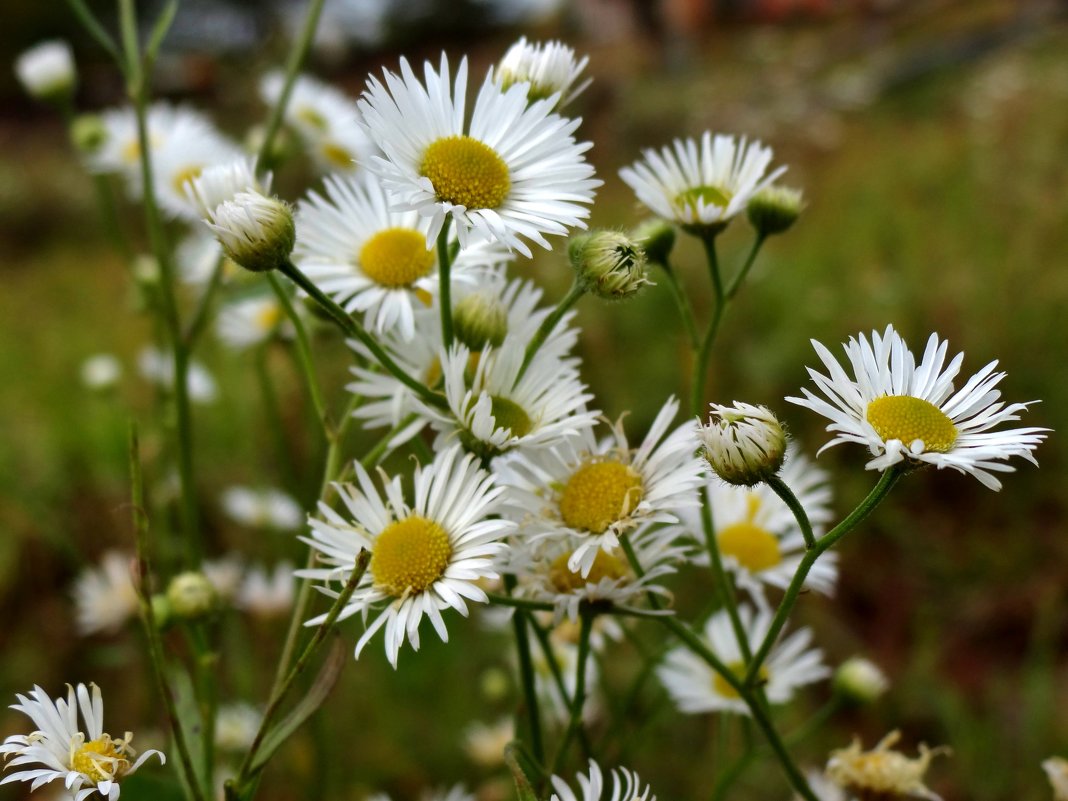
255, 230
484, 743
251, 321
860, 680
262, 508
88, 761
696, 688
626, 786
225, 575
236, 726
221, 182
267, 593
425, 557
180, 160
1057, 770
908, 413
548, 68
196, 256
157, 367
104, 596
46, 71
701, 185
101, 371
883, 772
513, 175
744, 444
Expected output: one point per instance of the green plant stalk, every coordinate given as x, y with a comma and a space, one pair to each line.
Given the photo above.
296, 60
700, 364
682, 303
800, 515
304, 356
274, 419
148, 620
97, 31
723, 583
204, 660
639, 571
526, 675
201, 314
886, 482
739, 277
445, 285
576, 291
558, 676
578, 701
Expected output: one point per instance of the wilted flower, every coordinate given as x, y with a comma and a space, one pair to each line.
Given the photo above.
883, 772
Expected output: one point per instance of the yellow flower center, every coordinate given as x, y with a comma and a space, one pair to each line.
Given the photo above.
598, 495
908, 419
396, 257
509, 414
466, 172
100, 759
184, 176
755, 548
337, 155
711, 195
410, 555
131, 153
267, 317
312, 118
604, 566
724, 689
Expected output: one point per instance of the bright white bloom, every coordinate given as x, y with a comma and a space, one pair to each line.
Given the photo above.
596, 491
372, 259
744, 444
158, 367
255, 230
180, 160
251, 321
626, 786
495, 412
221, 182
101, 371
265, 593
1057, 770
908, 413
484, 743
696, 688
514, 173
262, 508
88, 761
236, 727
104, 596
326, 120
701, 184
548, 68
757, 534
47, 70
426, 556
883, 772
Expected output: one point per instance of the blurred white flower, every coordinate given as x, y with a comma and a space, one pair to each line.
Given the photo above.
262, 508
101, 371
46, 71
104, 596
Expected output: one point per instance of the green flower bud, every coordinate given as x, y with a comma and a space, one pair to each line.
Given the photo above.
480, 319
191, 596
609, 264
255, 231
657, 237
774, 209
88, 133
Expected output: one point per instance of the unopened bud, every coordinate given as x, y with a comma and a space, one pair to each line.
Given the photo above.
609, 264
162, 614
256, 231
88, 133
480, 319
657, 238
744, 444
191, 595
860, 680
774, 209
46, 71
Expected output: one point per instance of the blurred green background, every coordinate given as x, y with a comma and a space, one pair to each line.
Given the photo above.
930, 141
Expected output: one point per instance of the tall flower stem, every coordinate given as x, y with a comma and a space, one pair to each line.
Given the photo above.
682, 303
800, 515
445, 284
576, 291
579, 699
700, 364
526, 675
304, 357
739, 277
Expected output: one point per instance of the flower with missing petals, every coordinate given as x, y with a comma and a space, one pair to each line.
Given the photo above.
883, 772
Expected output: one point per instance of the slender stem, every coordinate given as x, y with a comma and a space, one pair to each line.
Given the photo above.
526, 675
723, 583
822, 715
739, 277
296, 60
355, 330
639, 571
201, 314
445, 284
205, 658
783, 491
579, 699
886, 482
148, 620
304, 356
682, 302
274, 419
97, 31
576, 291
700, 364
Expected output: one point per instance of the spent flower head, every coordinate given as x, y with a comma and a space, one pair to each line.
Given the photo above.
744, 444
883, 772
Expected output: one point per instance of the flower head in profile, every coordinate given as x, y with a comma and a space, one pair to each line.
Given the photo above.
701, 185
909, 413
547, 68
744, 444
255, 230
626, 786
513, 174
426, 556
46, 71
883, 772
88, 760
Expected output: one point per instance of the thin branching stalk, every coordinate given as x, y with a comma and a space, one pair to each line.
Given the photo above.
574, 723
304, 356
700, 364
576, 291
800, 515
682, 303
526, 675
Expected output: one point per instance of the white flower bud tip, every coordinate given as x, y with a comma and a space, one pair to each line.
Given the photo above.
46, 71
256, 231
744, 444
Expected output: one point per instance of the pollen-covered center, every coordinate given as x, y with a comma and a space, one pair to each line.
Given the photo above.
337, 155
605, 566
754, 547
100, 760
908, 419
268, 317
509, 414
709, 195
724, 689
396, 257
410, 555
599, 494
466, 172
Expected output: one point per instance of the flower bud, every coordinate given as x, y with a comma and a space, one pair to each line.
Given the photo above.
860, 680
256, 231
162, 614
88, 133
609, 264
46, 71
547, 68
657, 238
774, 209
744, 445
191, 595
101, 372
480, 319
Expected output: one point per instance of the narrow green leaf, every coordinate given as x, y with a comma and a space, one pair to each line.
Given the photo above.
97, 31
522, 783
159, 31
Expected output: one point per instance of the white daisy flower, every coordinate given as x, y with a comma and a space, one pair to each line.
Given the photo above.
493, 410
262, 508
757, 534
514, 173
104, 596
267, 593
47, 70
88, 761
598, 491
425, 557
179, 161
696, 688
626, 786
236, 726
372, 259
250, 321
221, 182
548, 69
908, 413
701, 184
157, 367
326, 120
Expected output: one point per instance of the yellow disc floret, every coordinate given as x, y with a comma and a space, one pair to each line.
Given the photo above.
710, 195
605, 566
908, 419
466, 172
410, 555
101, 759
396, 257
600, 494
724, 689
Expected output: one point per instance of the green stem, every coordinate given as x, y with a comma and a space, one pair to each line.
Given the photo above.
822, 715
202, 314
700, 364
682, 303
886, 482
639, 571
304, 356
576, 291
205, 659
800, 515
296, 60
445, 284
739, 277
526, 675
578, 701
723, 583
